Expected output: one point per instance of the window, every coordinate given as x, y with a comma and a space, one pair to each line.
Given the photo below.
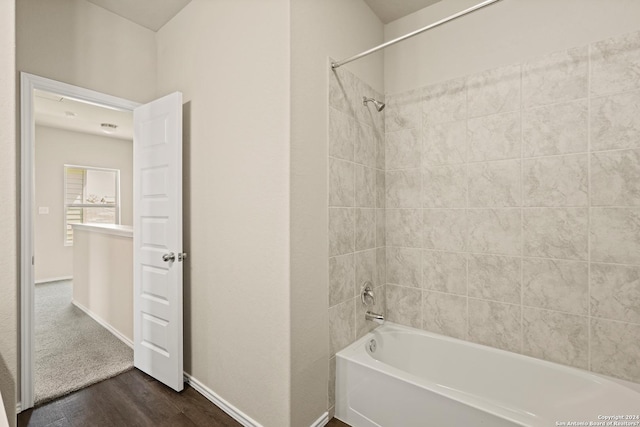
90, 195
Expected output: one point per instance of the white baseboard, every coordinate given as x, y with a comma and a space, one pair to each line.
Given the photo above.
18, 407
233, 412
53, 279
103, 323
322, 421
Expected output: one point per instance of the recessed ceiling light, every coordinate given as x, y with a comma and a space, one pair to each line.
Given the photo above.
108, 127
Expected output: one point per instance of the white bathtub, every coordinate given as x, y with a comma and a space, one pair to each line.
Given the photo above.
421, 379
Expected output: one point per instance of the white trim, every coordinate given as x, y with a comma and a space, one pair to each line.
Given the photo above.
111, 229
322, 421
231, 410
53, 279
103, 323
28, 83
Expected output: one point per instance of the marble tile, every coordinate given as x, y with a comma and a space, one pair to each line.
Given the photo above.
403, 266
615, 178
343, 132
380, 147
381, 232
444, 144
495, 324
615, 64
402, 149
445, 272
556, 285
365, 229
556, 181
404, 305
364, 326
495, 231
381, 265
556, 129
555, 232
380, 189
614, 349
366, 270
341, 183
365, 146
342, 88
341, 231
615, 235
365, 187
615, 121
403, 111
403, 188
494, 91
444, 187
494, 137
332, 382
445, 229
496, 278
556, 337
404, 227
445, 102
342, 325
615, 292
445, 314
341, 279
558, 77
494, 184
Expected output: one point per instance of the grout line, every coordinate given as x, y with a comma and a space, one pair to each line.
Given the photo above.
466, 212
522, 202
589, 205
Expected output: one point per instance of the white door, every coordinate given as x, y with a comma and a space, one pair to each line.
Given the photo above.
157, 239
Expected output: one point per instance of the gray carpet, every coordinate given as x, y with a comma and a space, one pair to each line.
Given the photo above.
72, 350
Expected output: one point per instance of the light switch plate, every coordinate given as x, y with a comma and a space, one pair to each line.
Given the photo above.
43, 210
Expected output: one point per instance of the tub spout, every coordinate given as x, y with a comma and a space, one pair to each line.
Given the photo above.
378, 318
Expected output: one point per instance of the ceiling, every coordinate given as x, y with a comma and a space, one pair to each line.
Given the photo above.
152, 14
64, 113
390, 10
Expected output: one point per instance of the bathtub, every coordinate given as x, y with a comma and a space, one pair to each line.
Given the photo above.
421, 379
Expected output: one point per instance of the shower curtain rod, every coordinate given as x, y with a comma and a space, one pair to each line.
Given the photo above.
337, 64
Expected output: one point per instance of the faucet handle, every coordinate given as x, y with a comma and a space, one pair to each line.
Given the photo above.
366, 295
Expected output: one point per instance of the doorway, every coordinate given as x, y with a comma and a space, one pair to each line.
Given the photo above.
29, 85
83, 308
157, 252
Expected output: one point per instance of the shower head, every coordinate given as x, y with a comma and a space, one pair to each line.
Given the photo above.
379, 105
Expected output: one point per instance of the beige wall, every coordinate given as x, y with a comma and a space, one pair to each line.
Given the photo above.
8, 211
319, 30
79, 43
54, 149
103, 277
231, 61
506, 32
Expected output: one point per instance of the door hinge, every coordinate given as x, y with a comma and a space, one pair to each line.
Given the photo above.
33, 260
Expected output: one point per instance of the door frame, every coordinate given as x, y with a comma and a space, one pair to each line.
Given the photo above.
28, 83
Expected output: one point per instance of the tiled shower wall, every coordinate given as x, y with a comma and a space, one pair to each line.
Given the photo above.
513, 208
356, 210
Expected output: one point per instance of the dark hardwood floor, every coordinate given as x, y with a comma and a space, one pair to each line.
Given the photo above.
131, 399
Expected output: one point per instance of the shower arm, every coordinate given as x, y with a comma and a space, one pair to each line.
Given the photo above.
337, 64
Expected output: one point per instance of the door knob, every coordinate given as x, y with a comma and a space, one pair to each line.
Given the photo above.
169, 257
